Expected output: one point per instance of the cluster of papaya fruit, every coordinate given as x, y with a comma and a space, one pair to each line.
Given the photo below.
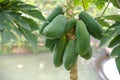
68, 38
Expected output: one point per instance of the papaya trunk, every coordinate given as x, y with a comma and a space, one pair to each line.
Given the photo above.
70, 13
74, 73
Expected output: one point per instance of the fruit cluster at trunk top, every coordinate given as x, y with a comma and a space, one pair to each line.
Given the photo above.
68, 38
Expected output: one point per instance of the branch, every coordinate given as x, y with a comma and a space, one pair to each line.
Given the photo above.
83, 5
105, 9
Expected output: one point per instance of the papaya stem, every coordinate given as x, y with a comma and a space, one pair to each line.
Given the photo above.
105, 9
74, 73
83, 4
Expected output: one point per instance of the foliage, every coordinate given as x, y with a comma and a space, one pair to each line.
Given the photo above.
111, 35
17, 21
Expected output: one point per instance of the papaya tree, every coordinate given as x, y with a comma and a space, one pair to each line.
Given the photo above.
67, 32
73, 39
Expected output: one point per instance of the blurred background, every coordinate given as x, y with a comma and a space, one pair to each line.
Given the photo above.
20, 60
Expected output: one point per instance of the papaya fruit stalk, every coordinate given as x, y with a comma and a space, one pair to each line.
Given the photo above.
70, 13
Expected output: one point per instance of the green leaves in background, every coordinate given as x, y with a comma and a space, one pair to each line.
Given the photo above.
7, 36
16, 20
103, 22
115, 3
77, 2
32, 38
35, 13
113, 17
114, 41
116, 51
110, 33
86, 3
99, 3
32, 24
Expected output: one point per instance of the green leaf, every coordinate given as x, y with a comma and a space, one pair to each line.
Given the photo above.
87, 3
34, 13
115, 3
100, 4
2, 20
26, 7
117, 60
108, 35
114, 41
33, 25
116, 51
17, 31
21, 22
103, 22
7, 36
1, 1
32, 38
113, 17
76, 2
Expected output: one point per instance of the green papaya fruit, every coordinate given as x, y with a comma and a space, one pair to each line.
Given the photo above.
94, 28
88, 54
70, 56
56, 28
58, 51
56, 11
70, 24
82, 38
50, 43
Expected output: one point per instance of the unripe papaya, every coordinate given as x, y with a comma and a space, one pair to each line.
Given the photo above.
56, 28
70, 24
58, 10
94, 28
88, 54
58, 51
50, 43
82, 38
70, 56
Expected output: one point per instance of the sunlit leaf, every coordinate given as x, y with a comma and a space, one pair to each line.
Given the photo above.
113, 17
87, 3
7, 36
103, 22
116, 51
100, 4
77, 2
114, 41
21, 22
26, 7
35, 13
32, 38
33, 25
108, 35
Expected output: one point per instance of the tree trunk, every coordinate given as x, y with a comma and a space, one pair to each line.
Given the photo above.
74, 73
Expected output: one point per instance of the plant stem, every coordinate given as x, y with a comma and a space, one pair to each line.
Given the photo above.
83, 5
74, 73
105, 9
